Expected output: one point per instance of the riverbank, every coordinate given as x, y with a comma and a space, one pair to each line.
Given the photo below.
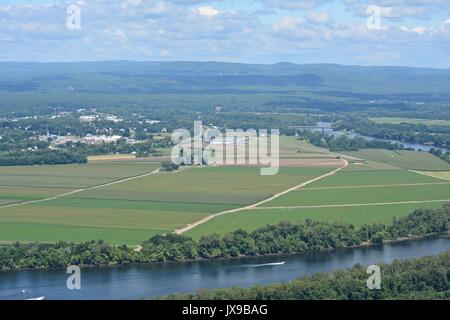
284, 238
244, 257
160, 279
424, 278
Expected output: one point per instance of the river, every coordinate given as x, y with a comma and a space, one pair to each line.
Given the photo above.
151, 280
328, 129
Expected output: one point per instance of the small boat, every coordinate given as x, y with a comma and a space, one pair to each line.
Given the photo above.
38, 298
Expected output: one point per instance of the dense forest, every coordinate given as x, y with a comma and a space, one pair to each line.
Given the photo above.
283, 238
424, 279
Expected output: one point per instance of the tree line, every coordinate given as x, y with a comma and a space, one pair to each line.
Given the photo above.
425, 279
344, 143
282, 238
440, 154
41, 157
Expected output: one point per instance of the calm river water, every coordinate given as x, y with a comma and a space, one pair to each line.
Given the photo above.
139, 281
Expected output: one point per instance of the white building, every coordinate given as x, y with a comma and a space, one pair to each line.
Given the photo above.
87, 118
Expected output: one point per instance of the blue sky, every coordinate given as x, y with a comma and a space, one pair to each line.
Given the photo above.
410, 32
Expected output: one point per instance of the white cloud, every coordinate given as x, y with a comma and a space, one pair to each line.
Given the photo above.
294, 4
418, 29
183, 30
207, 11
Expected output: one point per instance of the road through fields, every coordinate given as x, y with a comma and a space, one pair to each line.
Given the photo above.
253, 206
80, 190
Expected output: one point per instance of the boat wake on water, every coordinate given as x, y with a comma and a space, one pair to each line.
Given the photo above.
21, 295
273, 264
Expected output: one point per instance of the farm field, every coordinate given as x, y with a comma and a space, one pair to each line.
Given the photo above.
51, 233
220, 185
402, 158
132, 211
296, 153
445, 175
12, 194
351, 177
362, 195
71, 176
105, 206
251, 220
291, 147
110, 157
352, 195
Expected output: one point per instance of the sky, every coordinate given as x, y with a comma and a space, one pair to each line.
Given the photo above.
351, 32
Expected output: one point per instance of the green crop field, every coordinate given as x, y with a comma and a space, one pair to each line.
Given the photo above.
32, 232
292, 147
71, 176
11, 194
362, 195
253, 219
132, 211
220, 185
373, 177
404, 159
352, 195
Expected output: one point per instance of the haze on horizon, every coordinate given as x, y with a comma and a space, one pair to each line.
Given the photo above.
410, 32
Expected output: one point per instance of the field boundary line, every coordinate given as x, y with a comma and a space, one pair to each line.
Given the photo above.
80, 190
353, 205
380, 185
428, 175
252, 206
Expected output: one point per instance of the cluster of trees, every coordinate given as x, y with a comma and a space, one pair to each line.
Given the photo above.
425, 278
440, 154
344, 143
272, 239
143, 149
41, 157
439, 136
169, 166
256, 121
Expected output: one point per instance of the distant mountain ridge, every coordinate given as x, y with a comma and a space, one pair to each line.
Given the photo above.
149, 77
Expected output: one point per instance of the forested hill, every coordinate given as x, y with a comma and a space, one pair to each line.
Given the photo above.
161, 88
152, 77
